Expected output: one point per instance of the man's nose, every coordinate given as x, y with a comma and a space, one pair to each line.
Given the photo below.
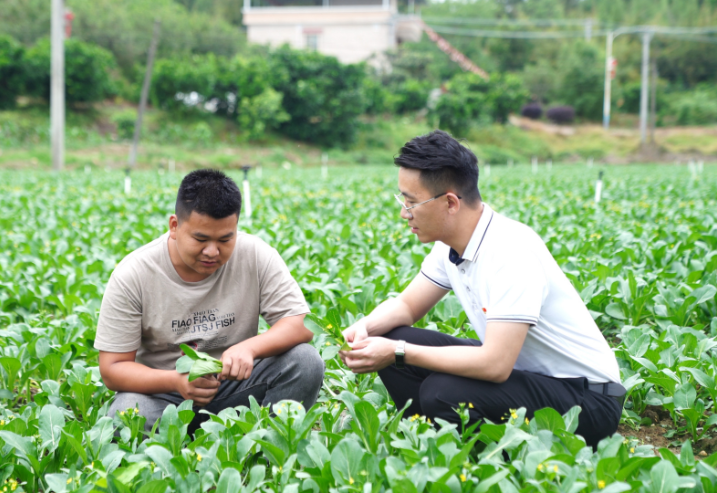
406, 214
211, 250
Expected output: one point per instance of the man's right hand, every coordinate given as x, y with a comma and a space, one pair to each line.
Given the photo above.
357, 332
201, 391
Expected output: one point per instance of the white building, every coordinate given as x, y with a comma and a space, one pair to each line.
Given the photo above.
350, 30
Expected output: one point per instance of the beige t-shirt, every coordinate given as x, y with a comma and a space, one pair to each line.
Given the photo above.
147, 307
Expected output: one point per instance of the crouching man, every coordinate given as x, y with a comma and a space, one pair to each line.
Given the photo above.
205, 284
539, 346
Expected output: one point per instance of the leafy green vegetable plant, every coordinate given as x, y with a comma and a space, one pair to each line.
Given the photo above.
197, 363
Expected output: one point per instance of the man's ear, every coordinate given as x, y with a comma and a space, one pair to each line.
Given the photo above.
454, 203
173, 226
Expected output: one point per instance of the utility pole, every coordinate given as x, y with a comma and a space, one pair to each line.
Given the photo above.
588, 29
57, 85
608, 81
145, 93
653, 101
646, 38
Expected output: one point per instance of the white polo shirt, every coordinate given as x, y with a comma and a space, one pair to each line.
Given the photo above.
507, 274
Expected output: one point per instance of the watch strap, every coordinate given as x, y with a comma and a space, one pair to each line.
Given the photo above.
400, 355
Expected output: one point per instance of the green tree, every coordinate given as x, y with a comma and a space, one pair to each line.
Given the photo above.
125, 27
88, 71
582, 78
471, 99
322, 96
11, 71
173, 80
261, 112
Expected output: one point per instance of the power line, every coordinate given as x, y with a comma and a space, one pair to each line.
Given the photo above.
681, 32
482, 33
512, 22
699, 39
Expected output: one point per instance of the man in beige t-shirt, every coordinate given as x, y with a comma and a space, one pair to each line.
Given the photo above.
205, 284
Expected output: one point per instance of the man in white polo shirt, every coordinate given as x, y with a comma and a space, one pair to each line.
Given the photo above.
539, 347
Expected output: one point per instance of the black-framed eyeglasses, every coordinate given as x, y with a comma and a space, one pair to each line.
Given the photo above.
403, 204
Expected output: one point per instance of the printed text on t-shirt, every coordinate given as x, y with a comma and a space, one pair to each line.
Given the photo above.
203, 321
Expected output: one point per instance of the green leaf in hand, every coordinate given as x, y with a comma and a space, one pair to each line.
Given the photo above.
345, 346
197, 363
191, 353
203, 367
184, 364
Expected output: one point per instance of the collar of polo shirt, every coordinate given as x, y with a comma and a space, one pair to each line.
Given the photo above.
476, 240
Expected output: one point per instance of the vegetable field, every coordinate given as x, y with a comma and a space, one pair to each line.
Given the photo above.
644, 261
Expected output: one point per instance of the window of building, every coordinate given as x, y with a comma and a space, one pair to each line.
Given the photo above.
312, 42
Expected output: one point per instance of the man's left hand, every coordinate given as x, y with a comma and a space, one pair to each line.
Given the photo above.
370, 355
238, 363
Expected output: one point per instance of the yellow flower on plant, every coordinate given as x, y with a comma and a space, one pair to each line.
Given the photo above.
199, 458
351, 480
329, 326
514, 415
632, 450
601, 484
278, 411
527, 422
69, 480
2, 422
555, 468
121, 413
328, 343
463, 478
136, 409
470, 405
540, 467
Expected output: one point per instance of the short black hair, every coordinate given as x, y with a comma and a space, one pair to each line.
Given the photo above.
445, 165
210, 192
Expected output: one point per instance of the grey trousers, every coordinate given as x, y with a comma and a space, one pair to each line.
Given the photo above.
296, 375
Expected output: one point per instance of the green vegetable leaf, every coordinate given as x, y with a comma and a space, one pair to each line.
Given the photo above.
184, 364
191, 353
203, 367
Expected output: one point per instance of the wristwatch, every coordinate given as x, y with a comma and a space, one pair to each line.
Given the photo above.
401, 355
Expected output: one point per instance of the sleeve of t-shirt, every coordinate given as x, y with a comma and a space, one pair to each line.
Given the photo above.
433, 267
119, 328
516, 289
281, 295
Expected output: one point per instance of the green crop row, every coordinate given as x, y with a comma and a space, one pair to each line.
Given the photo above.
644, 261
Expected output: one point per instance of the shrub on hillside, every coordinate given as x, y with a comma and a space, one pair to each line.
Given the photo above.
261, 112
181, 84
11, 71
582, 78
125, 122
378, 98
561, 114
88, 71
471, 98
239, 89
697, 107
322, 96
410, 95
533, 111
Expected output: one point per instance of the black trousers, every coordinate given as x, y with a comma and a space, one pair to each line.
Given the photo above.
436, 395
